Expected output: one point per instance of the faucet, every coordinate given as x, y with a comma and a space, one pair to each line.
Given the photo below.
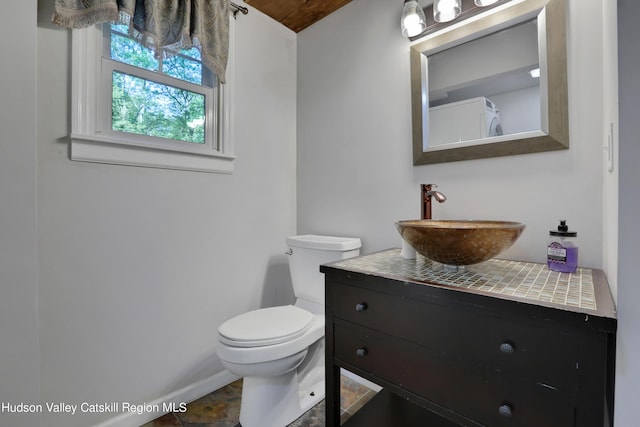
428, 192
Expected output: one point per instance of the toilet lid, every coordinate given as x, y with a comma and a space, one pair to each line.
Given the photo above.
266, 326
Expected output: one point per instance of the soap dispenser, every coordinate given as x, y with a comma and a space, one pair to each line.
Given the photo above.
562, 252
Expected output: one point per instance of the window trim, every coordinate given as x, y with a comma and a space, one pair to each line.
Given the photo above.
90, 144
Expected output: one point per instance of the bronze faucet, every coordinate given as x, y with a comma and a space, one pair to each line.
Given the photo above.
427, 192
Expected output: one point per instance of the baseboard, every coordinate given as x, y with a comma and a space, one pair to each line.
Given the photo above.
185, 394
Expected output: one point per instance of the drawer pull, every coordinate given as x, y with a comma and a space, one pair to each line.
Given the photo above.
507, 347
361, 352
505, 410
361, 306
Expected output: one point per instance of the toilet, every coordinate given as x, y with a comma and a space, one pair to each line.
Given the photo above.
280, 350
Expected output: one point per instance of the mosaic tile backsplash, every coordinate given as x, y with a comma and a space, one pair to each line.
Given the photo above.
526, 280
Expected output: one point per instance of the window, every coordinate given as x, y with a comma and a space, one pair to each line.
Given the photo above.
129, 107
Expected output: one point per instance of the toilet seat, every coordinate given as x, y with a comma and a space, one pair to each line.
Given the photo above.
266, 326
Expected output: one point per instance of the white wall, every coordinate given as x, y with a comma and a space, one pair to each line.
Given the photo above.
19, 381
611, 159
139, 266
355, 173
519, 110
628, 368
509, 51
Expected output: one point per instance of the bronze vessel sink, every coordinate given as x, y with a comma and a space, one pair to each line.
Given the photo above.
459, 242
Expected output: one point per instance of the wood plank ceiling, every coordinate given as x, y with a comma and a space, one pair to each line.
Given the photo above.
297, 14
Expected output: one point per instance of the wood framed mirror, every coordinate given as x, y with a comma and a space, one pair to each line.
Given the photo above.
460, 113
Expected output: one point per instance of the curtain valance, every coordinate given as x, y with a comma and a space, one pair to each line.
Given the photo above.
158, 24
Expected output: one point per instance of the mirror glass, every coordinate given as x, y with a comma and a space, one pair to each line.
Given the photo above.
484, 88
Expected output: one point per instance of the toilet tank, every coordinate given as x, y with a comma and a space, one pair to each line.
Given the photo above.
307, 253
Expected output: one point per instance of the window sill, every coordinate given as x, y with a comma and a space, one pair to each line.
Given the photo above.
90, 148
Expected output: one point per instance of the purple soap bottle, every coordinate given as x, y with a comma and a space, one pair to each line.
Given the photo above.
562, 252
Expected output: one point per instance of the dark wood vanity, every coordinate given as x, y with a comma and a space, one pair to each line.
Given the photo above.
502, 343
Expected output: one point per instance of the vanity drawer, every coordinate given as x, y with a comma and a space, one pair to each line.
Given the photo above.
493, 399
465, 334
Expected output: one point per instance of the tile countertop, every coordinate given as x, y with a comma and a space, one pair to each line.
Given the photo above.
584, 291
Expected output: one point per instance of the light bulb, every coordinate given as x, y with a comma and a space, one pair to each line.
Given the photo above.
413, 21
446, 10
483, 3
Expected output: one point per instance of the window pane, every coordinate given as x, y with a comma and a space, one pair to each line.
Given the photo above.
148, 108
121, 28
131, 52
183, 68
193, 53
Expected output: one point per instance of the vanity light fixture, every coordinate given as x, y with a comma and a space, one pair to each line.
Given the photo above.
441, 13
413, 21
446, 10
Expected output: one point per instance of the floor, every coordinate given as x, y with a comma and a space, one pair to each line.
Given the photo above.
222, 408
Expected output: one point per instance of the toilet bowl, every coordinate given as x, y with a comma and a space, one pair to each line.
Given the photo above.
280, 350
269, 341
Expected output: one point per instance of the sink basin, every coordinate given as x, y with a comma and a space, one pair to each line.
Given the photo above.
459, 242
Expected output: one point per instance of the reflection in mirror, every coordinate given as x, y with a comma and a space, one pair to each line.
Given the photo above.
495, 86
486, 87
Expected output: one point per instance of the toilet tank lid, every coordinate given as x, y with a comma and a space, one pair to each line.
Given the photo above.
329, 243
